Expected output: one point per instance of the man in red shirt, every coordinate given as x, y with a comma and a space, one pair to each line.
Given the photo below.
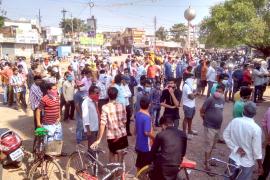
247, 79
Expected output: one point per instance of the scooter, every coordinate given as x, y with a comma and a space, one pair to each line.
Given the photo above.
11, 151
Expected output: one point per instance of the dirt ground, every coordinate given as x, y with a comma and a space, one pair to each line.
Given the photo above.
22, 123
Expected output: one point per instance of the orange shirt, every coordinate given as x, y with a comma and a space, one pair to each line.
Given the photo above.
6, 75
152, 71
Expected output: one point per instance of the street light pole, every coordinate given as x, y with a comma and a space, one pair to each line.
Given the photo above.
91, 5
72, 31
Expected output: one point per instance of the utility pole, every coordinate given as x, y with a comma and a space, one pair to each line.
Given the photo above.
63, 21
72, 31
155, 29
39, 17
64, 13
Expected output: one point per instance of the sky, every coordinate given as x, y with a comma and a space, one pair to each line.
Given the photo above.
112, 15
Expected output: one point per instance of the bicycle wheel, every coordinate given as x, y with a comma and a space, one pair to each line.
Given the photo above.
79, 166
144, 173
48, 169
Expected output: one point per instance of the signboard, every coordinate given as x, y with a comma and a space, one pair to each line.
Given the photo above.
26, 36
91, 26
98, 40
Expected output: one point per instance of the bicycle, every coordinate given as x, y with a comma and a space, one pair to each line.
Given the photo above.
186, 166
84, 165
44, 166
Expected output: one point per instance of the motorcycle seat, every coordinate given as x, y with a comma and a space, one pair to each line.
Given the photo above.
3, 131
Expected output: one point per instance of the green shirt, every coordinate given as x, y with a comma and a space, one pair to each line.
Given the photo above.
238, 108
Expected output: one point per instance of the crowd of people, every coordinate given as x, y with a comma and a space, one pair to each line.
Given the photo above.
105, 97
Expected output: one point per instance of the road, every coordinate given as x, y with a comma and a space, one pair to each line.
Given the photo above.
22, 123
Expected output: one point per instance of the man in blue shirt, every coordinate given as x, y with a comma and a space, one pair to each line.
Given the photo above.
143, 132
168, 69
78, 100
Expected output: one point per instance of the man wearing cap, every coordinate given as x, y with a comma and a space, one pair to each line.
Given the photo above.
243, 137
79, 96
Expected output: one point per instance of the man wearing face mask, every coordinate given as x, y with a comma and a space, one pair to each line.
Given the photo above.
78, 99
91, 115
68, 93
170, 99
189, 94
145, 92
212, 115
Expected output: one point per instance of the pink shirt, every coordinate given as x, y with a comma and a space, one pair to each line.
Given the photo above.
266, 121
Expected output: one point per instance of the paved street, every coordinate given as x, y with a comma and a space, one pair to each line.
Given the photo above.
22, 123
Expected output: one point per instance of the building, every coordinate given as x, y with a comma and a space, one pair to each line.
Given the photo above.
54, 35
19, 38
129, 39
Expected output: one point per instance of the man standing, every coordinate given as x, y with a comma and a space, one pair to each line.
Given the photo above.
168, 151
113, 117
211, 76
170, 100
238, 107
35, 96
78, 100
212, 115
17, 83
91, 115
189, 93
143, 134
266, 130
243, 137
68, 93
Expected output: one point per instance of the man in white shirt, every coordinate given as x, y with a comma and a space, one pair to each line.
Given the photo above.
127, 95
211, 76
68, 93
90, 115
243, 137
188, 97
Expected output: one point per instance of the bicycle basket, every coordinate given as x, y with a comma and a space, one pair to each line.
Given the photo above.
41, 132
53, 148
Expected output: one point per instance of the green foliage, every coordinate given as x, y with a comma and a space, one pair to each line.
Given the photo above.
238, 22
1, 21
178, 31
161, 33
78, 25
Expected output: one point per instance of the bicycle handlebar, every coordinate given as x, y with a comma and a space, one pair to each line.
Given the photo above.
223, 162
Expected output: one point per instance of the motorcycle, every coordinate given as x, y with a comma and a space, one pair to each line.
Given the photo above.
11, 151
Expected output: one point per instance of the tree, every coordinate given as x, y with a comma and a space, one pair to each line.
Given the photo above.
78, 25
179, 31
161, 33
238, 22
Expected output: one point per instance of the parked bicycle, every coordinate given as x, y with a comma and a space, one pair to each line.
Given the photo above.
84, 165
44, 165
187, 166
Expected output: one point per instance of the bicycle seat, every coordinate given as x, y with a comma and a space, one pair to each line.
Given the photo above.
122, 151
41, 132
188, 164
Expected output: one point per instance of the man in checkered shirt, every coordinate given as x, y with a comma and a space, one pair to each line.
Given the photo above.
113, 117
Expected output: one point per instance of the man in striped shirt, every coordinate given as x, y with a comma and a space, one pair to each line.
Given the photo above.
17, 82
50, 105
35, 96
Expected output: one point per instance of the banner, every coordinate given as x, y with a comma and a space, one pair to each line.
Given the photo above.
97, 41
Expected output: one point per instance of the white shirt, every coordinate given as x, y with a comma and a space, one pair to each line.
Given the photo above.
89, 115
245, 133
127, 94
68, 90
211, 74
186, 91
